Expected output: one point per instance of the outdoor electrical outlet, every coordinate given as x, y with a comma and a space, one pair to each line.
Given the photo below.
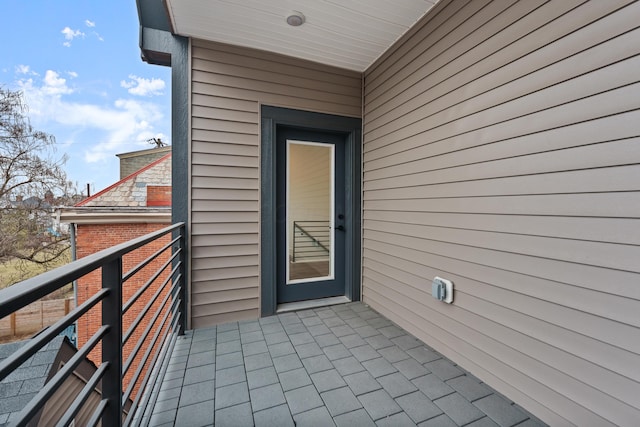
442, 290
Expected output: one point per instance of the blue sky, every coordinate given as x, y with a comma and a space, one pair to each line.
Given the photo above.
79, 65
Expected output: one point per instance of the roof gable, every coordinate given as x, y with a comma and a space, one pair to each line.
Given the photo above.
131, 191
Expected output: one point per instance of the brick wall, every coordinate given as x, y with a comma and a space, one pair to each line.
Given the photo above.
94, 238
158, 195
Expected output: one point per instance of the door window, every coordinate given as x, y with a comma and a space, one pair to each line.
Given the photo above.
310, 211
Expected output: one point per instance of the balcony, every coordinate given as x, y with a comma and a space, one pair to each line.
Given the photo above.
339, 365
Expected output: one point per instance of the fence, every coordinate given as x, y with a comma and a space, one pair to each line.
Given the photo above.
118, 405
34, 317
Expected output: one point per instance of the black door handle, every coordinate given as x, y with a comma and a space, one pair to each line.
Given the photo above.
340, 227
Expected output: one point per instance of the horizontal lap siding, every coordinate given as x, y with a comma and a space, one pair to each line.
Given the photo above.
228, 86
502, 151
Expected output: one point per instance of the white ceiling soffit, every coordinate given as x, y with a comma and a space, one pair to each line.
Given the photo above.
348, 34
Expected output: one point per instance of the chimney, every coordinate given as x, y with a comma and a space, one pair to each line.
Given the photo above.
136, 160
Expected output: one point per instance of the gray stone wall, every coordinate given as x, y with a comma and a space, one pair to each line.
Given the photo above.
133, 162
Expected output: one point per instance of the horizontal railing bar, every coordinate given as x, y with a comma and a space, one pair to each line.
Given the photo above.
136, 402
166, 349
310, 249
29, 349
312, 254
40, 399
97, 414
148, 351
170, 293
319, 255
148, 305
133, 417
313, 221
148, 283
160, 359
134, 352
316, 234
311, 258
155, 255
84, 394
311, 237
23, 293
143, 336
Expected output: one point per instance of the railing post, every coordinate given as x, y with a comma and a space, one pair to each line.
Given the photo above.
112, 342
183, 274
293, 255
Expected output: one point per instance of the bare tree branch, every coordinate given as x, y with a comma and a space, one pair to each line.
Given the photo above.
32, 183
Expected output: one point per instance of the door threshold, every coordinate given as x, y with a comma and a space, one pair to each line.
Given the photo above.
313, 303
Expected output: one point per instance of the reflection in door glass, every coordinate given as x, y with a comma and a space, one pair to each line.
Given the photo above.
309, 211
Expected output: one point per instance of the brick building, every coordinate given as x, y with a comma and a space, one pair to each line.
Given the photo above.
138, 204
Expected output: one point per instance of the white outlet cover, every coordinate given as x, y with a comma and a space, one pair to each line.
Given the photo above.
448, 285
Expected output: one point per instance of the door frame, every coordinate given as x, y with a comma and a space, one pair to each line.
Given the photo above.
271, 119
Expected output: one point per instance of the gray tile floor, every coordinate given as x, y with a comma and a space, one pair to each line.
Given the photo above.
344, 365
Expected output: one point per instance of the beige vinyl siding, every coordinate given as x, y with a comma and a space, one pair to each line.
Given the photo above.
228, 86
502, 151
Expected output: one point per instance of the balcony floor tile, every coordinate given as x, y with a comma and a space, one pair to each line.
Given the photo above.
339, 365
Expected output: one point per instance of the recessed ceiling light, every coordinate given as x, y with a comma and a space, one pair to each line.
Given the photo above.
295, 19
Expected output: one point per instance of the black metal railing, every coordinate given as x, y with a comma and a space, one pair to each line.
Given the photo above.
157, 325
311, 240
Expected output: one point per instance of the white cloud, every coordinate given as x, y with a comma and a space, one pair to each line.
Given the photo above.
92, 24
143, 87
72, 74
25, 69
70, 34
121, 125
54, 84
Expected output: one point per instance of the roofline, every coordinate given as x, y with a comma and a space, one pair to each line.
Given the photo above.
154, 15
133, 175
143, 152
115, 217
